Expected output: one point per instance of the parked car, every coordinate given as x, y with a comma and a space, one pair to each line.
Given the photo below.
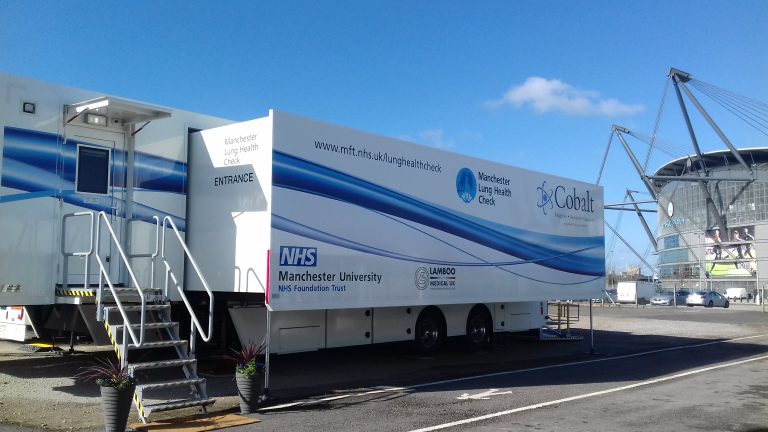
668, 298
737, 294
707, 299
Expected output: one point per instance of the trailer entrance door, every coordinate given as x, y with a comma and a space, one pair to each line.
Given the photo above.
100, 172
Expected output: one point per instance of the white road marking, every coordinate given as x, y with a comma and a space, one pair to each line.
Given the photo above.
277, 407
333, 398
484, 395
330, 398
416, 386
387, 390
585, 396
454, 380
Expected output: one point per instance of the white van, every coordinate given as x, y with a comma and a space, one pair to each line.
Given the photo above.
636, 292
736, 293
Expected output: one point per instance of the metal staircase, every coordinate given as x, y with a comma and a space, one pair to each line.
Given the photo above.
139, 324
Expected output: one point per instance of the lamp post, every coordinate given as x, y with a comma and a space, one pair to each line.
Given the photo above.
702, 256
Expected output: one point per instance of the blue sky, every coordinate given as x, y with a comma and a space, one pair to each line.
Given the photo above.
529, 83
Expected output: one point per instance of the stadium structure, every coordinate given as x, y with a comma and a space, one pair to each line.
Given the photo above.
711, 207
709, 232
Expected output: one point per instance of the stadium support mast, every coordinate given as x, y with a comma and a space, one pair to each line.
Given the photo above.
679, 78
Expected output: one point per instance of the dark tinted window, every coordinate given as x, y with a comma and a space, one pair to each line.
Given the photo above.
92, 170
672, 241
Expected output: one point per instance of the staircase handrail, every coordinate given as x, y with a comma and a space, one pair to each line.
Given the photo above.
103, 274
86, 254
154, 254
168, 222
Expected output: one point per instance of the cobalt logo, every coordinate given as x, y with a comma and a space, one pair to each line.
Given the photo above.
545, 198
466, 185
563, 198
298, 256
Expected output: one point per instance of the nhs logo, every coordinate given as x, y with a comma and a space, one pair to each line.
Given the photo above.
298, 256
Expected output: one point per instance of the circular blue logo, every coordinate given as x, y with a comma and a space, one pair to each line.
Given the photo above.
466, 185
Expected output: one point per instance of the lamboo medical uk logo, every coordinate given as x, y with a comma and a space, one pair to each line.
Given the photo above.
421, 278
564, 198
466, 185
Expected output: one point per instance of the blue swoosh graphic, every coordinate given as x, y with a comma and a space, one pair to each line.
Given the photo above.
293, 227
580, 255
43, 165
47, 152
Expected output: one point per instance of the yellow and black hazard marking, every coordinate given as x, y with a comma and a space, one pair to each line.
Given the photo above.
112, 339
138, 404
39, 347
117, 351
74, 293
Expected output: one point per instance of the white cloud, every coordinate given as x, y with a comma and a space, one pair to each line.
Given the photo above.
436, 138
545, 95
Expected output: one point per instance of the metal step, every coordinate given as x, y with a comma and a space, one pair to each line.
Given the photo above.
130, 299
132, 290
147, 326
159, 344
168, 406
169, 384
161, 364
137, 308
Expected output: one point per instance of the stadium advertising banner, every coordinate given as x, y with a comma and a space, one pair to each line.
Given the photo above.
731, 255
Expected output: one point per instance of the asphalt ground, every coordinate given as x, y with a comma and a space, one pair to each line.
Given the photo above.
38, 393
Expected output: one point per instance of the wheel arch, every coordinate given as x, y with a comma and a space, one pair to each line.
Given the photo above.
483, 308
429, 315
478, 327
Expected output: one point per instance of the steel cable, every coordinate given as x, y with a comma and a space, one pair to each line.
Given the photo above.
746, 109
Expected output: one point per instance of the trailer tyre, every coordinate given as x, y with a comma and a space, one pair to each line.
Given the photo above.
479, 328
430, 331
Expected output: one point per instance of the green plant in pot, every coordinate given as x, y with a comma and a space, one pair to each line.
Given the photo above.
249, 375
117, 386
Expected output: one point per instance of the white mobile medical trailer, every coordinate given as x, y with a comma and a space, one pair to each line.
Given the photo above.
86, 183
348, 238
67, 151
315, 235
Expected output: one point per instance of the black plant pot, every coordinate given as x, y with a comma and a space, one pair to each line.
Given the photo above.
249, 389
117, 406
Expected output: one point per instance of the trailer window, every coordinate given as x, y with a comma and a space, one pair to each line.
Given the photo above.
92, 170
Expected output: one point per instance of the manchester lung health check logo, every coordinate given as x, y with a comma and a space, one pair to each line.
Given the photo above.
545, 198
466, 185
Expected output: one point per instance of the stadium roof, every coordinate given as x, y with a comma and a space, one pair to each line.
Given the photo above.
715, 160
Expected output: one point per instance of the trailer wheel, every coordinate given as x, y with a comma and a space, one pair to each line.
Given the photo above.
430, 331
479, 328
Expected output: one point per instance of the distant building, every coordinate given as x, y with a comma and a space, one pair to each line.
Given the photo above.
713, 246
633, 272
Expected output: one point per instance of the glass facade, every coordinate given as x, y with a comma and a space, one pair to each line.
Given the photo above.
693, 252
